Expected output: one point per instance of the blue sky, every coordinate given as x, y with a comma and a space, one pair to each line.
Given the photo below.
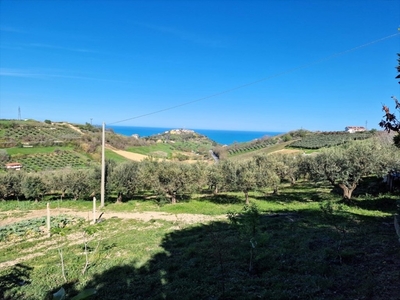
240, 65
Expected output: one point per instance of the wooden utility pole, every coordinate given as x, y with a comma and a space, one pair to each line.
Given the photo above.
103, 166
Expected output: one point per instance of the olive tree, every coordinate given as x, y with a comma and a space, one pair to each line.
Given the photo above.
59, 181
14, 183
244, 176
33, 186
3, 186
247, 178
215, 177
344, 167
10, 184
271, 171
4, 156
79, 183
125, 179
170, 179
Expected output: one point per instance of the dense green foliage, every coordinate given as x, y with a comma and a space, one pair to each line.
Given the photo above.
343, 167
299, 244
22, 139
16, 133
191, 144
295, 238
328, 139
35, 227
251, 146
57, 159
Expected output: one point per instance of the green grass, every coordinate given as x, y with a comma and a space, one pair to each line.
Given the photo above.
114, 156
34, 150
146, 150
266, 150
304, 243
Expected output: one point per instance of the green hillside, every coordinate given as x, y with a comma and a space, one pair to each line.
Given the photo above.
53, 145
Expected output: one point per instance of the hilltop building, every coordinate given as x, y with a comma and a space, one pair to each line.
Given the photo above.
13, 166
352, 129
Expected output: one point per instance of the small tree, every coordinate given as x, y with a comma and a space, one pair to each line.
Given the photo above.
78, 183
60, 181
14, 184
269, 171
215, 178
390, 121
169, 179
4, 156
247, 179
3, 187
33, 187
125, 179
344, 167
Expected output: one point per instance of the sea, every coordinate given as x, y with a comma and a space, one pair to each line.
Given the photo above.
223, 137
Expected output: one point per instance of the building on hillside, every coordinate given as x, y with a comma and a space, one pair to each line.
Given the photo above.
14, 166
352, 129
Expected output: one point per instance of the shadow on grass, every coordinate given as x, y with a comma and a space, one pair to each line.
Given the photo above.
18, 276
223, 199
304, 192
303, 255
383, 203
293, 197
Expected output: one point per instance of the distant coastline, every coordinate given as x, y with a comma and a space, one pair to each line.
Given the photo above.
224, 137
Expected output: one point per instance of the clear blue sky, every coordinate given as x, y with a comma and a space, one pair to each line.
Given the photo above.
83, 61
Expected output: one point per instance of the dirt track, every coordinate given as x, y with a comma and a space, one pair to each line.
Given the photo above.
130, 155
8, 218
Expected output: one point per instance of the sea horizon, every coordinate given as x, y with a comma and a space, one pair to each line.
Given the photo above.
223, 137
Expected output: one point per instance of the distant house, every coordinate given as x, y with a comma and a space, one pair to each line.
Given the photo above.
352, 129
14, 166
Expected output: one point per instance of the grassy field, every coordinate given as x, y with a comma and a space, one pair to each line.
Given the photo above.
304, 243
16, 151
147, 150
109, 154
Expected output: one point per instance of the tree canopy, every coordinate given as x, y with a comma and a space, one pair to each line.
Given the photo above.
390, 121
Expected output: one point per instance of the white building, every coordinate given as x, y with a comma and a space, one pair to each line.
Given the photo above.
352, 129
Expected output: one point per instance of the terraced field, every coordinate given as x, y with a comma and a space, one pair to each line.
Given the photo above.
321, 140
36, 133
56, 159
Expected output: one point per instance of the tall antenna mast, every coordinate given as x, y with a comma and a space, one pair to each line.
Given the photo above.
19, 113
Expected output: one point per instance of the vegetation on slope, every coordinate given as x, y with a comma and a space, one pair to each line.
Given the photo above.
328, 139
302, 243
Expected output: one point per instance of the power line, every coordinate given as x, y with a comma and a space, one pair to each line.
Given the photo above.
261, 80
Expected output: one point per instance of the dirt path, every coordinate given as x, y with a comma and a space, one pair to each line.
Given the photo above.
140, 157
10, 218
129, 155
73, 127
288, 151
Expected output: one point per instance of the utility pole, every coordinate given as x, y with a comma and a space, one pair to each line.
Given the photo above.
103, 166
